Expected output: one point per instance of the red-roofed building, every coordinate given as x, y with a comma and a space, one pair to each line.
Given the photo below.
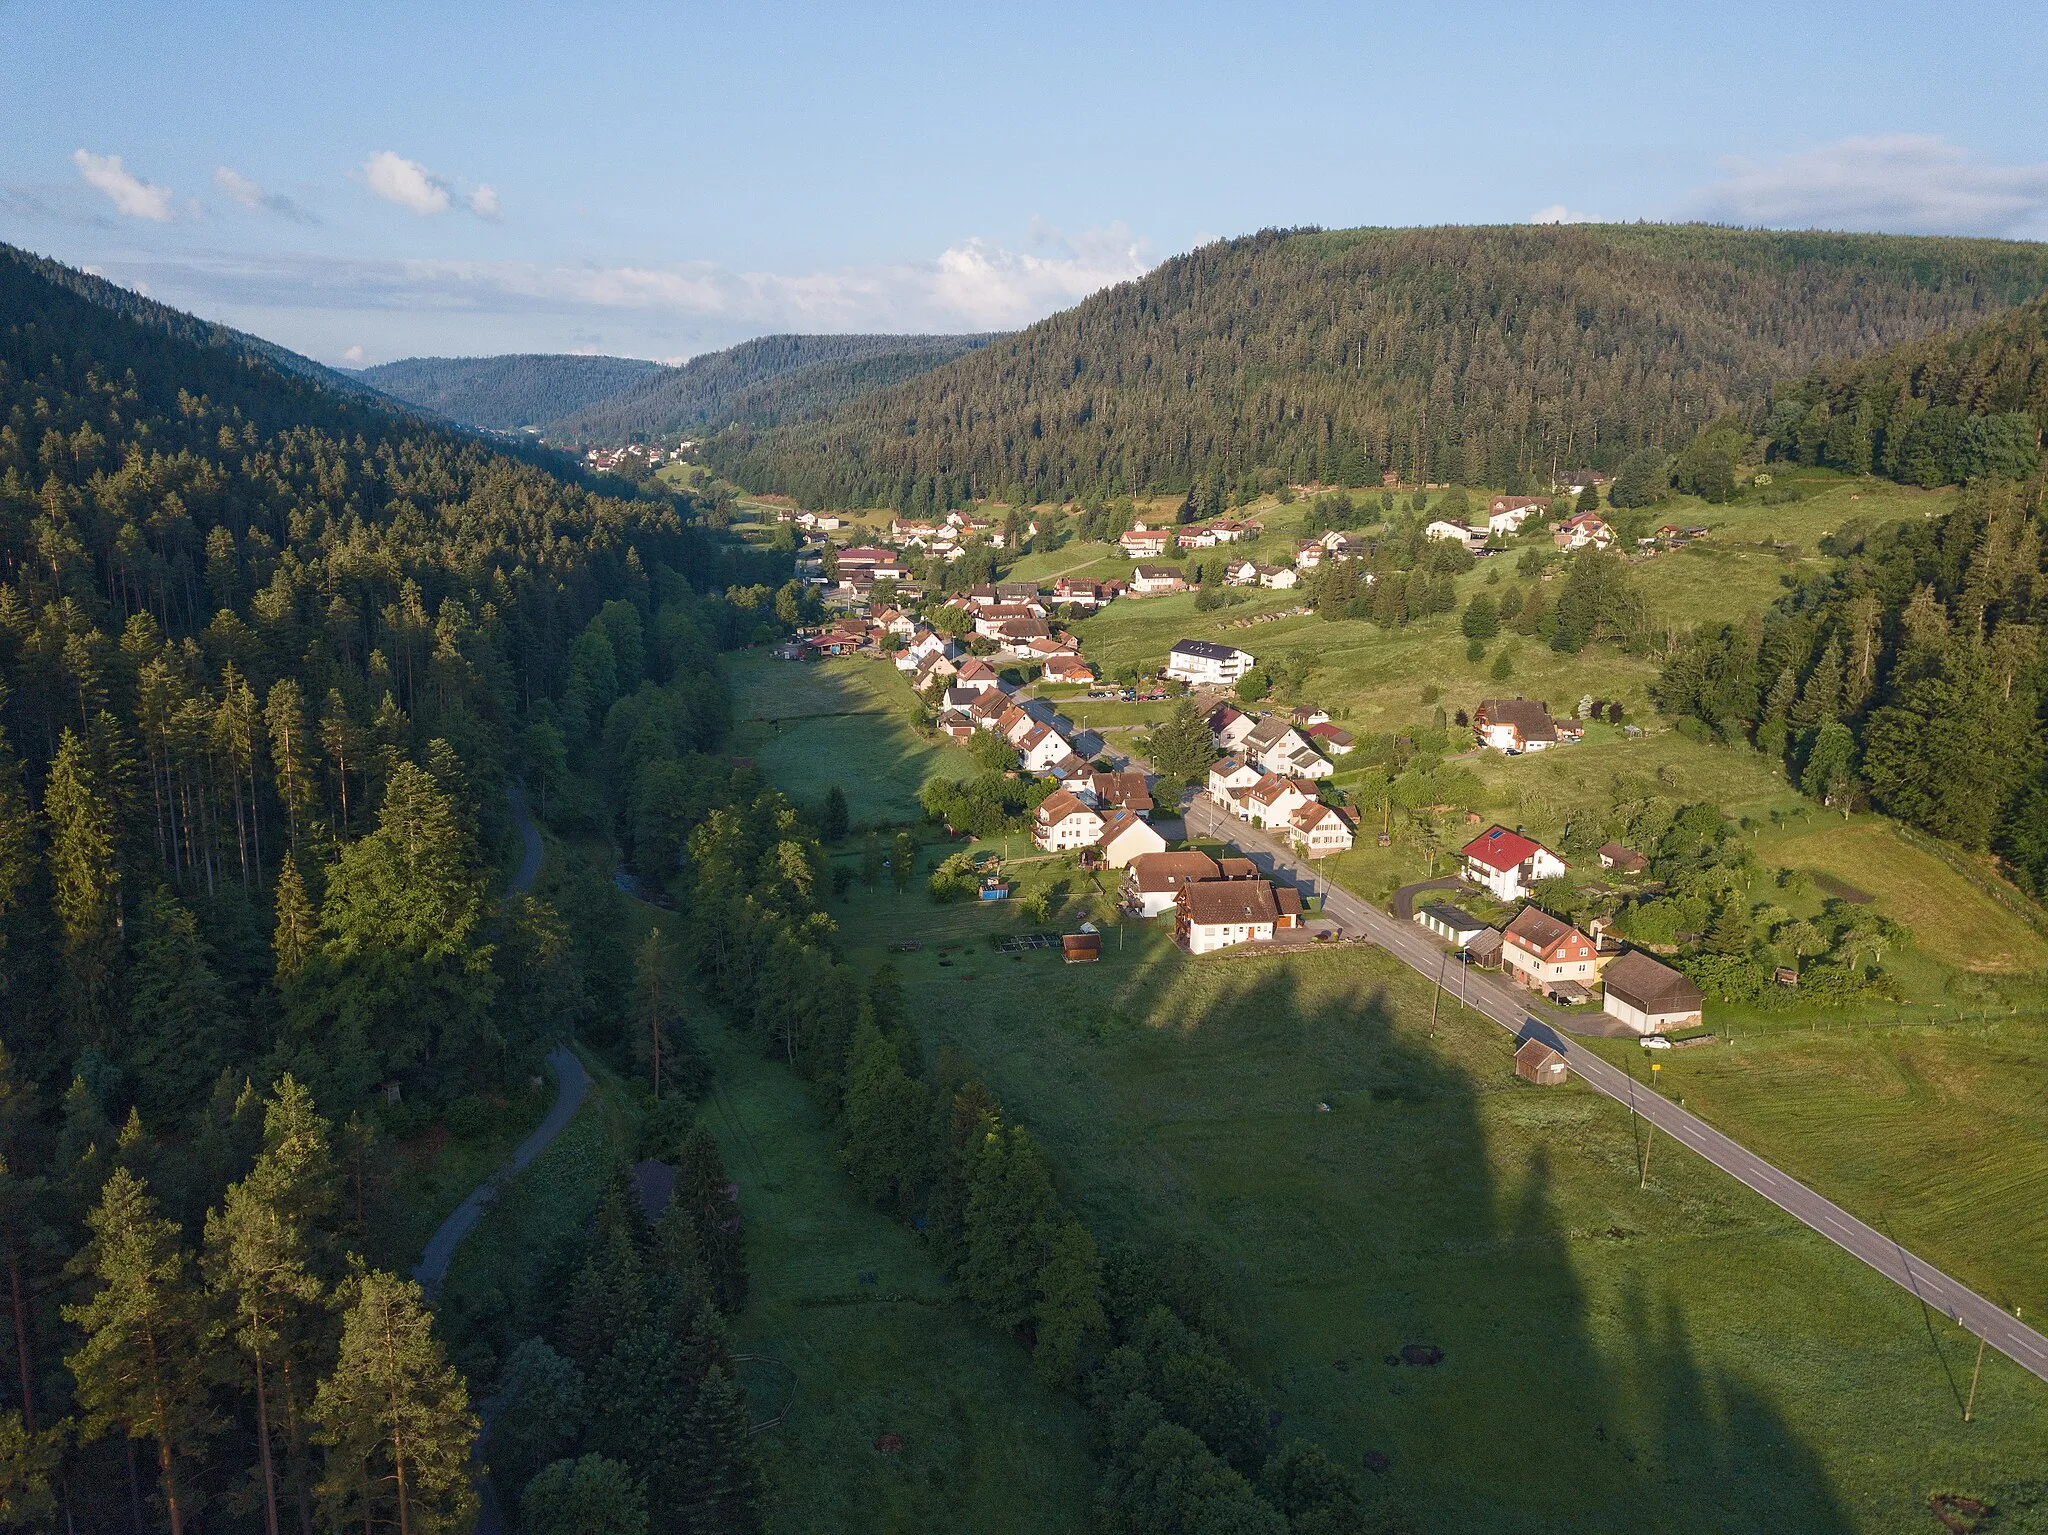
1547, 955
1508, 863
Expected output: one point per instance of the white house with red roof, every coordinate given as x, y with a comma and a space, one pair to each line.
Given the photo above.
1142, 541
1507, 863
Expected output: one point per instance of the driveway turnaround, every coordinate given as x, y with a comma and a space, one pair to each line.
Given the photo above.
1509, 1008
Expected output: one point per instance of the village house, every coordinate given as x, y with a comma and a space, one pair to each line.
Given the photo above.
1624, 859
1218, 914
931, 669
989, 619
1062, 823
1308, 554
1230, 780
1581, 530
1121, 791
1508, 863
1649, 997
1156, 581
1042, 749
956, 724
1152, 881
1450, 531
1346, 546
1317, 830
1330, 739
1068, 668
988, 710
1278, 747
1550, 956
1506, 514
1142, 542
1241, 573
1054, 644
1080, 593
1229, 725
1016, 635
1200, 662
1127, 836
1273, 799
1514, 725
977, 674
1455, 927
959, 699
1278, 578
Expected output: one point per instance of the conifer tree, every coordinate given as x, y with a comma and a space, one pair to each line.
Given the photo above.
394, 1417
141, 1368
654, 1003
82, 867
184, 1033
28, 1465
885, 1111
17, 838
1070, 1320
296, 929
717, 1480
291, 752
591, 1495
1012, 1214
713, 1201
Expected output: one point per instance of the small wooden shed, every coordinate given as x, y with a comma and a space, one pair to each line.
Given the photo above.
1537, 1062
1081, 948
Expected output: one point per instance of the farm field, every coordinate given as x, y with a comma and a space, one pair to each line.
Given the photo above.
1660, 1337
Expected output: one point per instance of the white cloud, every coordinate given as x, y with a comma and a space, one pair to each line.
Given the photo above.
405, 182
668, 311
352, 356
251, 195
130, 194
1904, 183
1558, 213
483, 202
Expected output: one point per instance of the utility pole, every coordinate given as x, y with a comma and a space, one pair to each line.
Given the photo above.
1437, 997
1970, 1406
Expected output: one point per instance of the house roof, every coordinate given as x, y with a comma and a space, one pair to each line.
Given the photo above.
1126, 789
1308, 817
1058, 805
975, 669
1651, 987
1331, 733
1156, 872
1499, 848
1117, 822
1540, 931
1221, 717
1536, 1055
1229, 901
1268, 733
1530, 717
1155, 573
1237, 868
1287, 900
1207, 650
1451, 917
1623, 857
1024, 629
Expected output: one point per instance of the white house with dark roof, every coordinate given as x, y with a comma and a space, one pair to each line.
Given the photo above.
1206, 662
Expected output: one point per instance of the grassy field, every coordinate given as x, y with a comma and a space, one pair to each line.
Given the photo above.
847, 722
1682, 1357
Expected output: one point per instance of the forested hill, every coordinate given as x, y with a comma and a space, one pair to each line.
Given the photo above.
270, 653
507, 393
1943, 409
766, 380
1471, 355
181, 326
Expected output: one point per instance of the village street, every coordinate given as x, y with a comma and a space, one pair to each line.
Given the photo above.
1497, 1000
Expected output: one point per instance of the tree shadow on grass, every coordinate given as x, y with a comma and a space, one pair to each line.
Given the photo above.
1397, 1215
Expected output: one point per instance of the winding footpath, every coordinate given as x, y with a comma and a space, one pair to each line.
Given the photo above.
1509, 1008
571, 1083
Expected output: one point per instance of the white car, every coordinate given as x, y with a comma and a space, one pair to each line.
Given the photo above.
1655, 1042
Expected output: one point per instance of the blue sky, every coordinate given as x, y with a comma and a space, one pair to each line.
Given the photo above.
377, 181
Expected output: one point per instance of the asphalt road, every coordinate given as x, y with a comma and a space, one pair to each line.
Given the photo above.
1508, 1007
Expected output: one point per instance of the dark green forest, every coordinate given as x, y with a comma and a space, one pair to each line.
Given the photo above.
1473, 356
1911, 678
770, 378
271, 654
506, 393
1942, 410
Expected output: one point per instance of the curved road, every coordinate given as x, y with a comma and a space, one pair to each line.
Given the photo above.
571, 1083
1509, 1008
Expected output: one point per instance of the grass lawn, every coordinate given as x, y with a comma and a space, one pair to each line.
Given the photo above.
1685, 1349
1950, 920
810, 725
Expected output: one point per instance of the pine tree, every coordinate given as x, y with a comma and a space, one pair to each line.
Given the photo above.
142, 1366
291, 753
834, 821
884, 1114
1069, 1316
654, 1003
29, 1463
296, 929
717, 1481
87, 880
590, 1495
17, 839
184, 1031
394, 1417
713, 1202
1011, 1216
